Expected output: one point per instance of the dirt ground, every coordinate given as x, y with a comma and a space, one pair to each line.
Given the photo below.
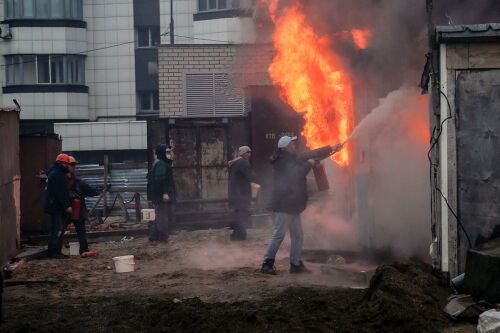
200, 281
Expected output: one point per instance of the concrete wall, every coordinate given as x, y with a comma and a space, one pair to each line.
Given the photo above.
247, 63
110, 73
116, 135
232, 30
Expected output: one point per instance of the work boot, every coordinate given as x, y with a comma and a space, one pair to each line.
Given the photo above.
268, 267
299, 269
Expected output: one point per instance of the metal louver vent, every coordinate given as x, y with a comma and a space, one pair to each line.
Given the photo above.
211, 95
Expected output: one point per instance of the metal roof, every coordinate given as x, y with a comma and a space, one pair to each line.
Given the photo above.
468, 33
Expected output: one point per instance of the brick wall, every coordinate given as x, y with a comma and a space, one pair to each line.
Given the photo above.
247, 63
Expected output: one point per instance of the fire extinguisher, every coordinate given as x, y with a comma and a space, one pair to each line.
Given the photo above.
320, 176
76, 209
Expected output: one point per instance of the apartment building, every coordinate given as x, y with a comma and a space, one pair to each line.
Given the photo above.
88, 69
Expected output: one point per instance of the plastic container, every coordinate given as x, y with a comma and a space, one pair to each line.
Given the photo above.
255, 190
320, 176
74, 248
124, 264
76, 209
148, 214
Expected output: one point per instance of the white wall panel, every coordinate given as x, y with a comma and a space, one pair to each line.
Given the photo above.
119, 135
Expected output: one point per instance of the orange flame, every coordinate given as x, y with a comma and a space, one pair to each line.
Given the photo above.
311, 79
361, 37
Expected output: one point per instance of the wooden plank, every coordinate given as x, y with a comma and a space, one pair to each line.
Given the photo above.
122, 205
484, 55
106, 170
137, 199
92, 210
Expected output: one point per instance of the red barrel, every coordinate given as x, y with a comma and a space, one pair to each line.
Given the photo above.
76, 209
320, 176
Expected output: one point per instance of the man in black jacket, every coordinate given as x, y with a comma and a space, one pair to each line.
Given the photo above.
240, 192
162, 193
78, 190
289, 201
57, 203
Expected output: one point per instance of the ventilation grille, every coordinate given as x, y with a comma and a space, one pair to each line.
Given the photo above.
211, 95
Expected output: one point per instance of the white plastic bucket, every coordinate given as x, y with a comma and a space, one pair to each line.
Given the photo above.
255, 190
124, 264
148, 214
74, 248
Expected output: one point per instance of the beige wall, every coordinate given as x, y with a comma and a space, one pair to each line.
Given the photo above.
247, 63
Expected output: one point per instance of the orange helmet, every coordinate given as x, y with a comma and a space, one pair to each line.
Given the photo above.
63, 158
73, 160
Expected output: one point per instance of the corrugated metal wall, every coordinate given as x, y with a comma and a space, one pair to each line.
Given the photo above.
117, 178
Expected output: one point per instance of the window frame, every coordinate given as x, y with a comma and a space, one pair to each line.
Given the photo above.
218, 9
16, 12
151, 43
16, 62
151, 95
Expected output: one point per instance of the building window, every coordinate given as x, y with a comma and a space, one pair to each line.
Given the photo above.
147, 36
45, 69
212, 95
44, 9
149, 101
210, 5
214, 5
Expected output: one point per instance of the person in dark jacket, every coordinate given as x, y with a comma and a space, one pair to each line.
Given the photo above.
57, 204
163, 194
78, 190
241, 176
289, 201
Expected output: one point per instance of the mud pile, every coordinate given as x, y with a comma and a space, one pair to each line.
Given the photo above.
404, 297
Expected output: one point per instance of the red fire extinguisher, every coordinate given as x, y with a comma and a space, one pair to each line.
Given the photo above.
320, 176
76, 209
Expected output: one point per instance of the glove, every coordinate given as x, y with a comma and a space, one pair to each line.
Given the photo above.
166, 198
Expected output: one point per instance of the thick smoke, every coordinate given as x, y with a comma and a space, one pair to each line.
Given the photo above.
388, 200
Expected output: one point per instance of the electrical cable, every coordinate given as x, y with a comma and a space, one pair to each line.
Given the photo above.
432, 166
205, 39
77, 53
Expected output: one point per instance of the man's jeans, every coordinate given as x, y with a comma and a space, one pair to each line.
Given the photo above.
282, 222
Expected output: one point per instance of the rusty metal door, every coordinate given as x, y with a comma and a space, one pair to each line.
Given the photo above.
202, 151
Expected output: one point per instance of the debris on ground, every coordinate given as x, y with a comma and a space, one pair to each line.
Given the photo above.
489, 322
463, 307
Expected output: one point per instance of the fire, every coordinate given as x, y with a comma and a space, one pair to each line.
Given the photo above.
361, 37
311, 79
